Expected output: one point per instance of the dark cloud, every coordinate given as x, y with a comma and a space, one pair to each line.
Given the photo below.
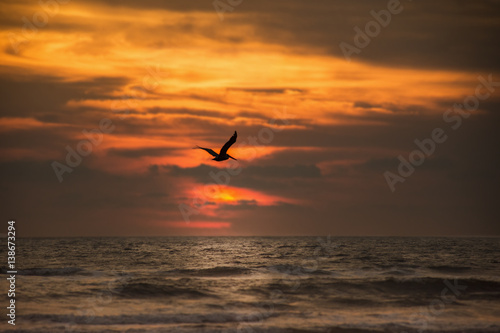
203, 171
269, 90
407, 108
366, 105
239, 205
424, 35
199, 173
381, 165
49, 94
274, 171
93, 202
191, 112
142, 152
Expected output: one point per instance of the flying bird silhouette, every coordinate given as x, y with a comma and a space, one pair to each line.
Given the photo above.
222, 155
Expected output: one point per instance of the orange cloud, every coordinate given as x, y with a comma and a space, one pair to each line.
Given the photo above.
12, 124
206, 200
200, 225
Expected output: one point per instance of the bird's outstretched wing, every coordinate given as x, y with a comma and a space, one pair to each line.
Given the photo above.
228, 144
210, 151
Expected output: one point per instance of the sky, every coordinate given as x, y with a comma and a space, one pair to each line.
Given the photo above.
355, 118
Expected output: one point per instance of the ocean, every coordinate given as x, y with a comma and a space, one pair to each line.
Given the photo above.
255, 284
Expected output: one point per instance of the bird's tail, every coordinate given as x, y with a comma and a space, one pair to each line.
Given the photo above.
232, 157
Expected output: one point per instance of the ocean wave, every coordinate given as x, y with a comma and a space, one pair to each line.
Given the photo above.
296, 269
396, 287
218, 271
350, 301
249, 326
64, 271
450, 269
144, 319
400, 272
426, 284
398, 265
388, 301
286, 246
148, 290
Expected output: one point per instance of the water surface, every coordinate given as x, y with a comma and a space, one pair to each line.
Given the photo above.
257, 284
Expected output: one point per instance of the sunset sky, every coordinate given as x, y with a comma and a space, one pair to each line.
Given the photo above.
317, 132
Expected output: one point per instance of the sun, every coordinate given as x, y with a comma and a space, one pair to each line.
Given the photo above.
225, 195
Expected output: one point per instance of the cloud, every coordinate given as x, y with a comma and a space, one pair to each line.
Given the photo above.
141, 152
270, 90
459, 37
320, 172
381, 165
365, 105
92, 202
200, 225
270, 172
448, 39
48, 95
